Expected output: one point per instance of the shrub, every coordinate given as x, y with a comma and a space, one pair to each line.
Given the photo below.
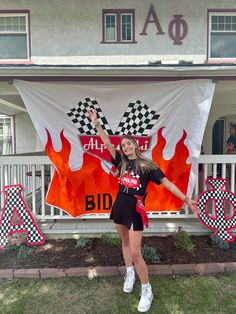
111, 241
25, 251
184, 241
83, 242
233, 245
216, 240
10, 248
150, 254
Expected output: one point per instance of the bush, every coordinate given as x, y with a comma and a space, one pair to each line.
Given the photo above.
111, 241
10, 248
150, 254
83, 242
216, 240
25, 251
184, 241
233, 245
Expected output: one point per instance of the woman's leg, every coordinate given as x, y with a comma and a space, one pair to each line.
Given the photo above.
130, 274
124, 235
135, 240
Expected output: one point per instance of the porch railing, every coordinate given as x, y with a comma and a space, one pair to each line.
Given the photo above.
35, 173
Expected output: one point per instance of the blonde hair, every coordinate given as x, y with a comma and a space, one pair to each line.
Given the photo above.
142, 164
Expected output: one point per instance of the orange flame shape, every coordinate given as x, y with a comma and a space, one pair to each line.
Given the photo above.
69, 189
175, 169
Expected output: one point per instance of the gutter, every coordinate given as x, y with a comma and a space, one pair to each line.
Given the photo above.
82, 71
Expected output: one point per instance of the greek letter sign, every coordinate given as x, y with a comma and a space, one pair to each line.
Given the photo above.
219, 195
16, 206
177, 28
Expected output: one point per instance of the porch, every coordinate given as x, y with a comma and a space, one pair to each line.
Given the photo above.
35, 172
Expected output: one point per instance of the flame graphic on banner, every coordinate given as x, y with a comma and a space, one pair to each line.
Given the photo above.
82, 191
176, 170
91, 190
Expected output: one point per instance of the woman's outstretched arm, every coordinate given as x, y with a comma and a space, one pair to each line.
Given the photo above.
104, 137
176, 191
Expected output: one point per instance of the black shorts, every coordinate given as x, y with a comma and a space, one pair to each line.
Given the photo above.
124, 211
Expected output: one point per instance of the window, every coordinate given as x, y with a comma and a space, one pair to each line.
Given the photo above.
14, 36
110, 27
118, 26
126, 27
6, 135
222, 38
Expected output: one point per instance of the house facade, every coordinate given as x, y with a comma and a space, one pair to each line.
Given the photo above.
133, 40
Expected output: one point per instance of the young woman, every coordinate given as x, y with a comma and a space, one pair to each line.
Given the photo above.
135, 171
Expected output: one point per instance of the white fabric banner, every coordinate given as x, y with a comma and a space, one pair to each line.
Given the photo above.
140, 108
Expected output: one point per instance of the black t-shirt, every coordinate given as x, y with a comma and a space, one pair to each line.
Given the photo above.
134, 182
231, 143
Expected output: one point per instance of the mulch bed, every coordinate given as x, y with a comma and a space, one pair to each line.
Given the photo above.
63, 253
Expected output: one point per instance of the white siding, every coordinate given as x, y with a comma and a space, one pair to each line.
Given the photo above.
69, 32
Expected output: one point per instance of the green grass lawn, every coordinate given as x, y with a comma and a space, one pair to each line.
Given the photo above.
175, 295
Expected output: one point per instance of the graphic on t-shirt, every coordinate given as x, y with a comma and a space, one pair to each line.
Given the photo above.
130, 180
135, 182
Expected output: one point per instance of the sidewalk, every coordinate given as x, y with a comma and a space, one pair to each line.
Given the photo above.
91, 272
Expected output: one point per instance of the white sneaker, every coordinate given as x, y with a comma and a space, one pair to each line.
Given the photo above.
129, 282
146, 299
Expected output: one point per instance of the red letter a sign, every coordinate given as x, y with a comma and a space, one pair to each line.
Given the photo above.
15, 205
152, 13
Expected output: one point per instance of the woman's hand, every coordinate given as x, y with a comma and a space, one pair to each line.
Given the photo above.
193, 206
93, 115
176, 191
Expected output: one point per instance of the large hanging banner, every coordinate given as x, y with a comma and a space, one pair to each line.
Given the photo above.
168, 120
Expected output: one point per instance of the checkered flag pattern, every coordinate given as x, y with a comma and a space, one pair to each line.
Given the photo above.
219, 222
79, 117
138, 120
15, 202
